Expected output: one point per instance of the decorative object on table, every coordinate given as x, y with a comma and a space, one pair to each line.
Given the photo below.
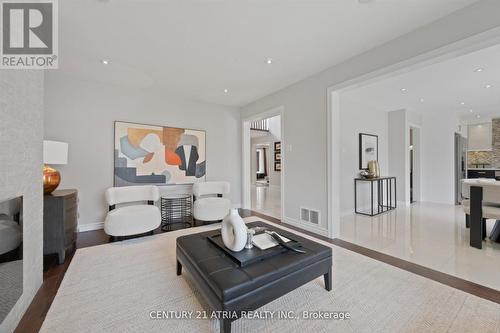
234, 231
374, 168
176, 209
282, 242
265, 241
209, 204
277, 156
382, 195
134, 219
54, 152
60, 218
250, 233
368, 149
366, 174
159, 155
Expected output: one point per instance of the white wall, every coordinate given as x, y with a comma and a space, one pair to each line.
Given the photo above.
357, 117
399, 153
438, 149
275, 127
305, 102
82, 114
21, 135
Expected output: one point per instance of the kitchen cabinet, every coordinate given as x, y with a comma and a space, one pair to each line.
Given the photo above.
479, 137
475, 173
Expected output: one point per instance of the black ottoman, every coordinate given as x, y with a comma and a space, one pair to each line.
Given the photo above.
228, 287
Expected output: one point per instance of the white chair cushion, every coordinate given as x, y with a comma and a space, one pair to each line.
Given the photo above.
125, 194
132, 220
207, 188
211, 209
11, 236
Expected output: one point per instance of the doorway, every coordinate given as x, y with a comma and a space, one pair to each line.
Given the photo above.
414, 164
263, 159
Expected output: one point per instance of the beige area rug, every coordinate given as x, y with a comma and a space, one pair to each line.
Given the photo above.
114, 287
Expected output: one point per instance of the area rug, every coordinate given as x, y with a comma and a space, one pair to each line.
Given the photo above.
116, 287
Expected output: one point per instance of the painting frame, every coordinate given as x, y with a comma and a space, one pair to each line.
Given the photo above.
175, 183
367, 141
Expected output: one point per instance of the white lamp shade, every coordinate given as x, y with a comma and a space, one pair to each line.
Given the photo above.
55, 152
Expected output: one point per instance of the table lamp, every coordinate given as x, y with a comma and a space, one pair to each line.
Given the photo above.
54, 152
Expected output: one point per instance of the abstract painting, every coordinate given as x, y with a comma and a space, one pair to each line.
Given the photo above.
159, 155
368, 149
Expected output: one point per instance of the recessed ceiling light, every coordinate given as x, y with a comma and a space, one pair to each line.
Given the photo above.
488, 86
470, 111
462, 103
226, 91
479, 70
105, 61
404, 89
422, 100
478, 116
269, 61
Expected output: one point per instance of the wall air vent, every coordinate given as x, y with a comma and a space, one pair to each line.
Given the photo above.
309, 215
304, 214
314, 216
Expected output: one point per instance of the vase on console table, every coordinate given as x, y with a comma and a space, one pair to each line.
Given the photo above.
374, 169
234, 231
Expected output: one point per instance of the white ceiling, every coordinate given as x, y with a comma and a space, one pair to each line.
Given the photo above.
442, 86
199, 48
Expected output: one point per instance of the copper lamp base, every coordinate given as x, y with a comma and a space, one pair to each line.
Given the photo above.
51, 179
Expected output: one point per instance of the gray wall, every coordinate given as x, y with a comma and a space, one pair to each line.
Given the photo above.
82, 113
305, 102
21, 132
357, 117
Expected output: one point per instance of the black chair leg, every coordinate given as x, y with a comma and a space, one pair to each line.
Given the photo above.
467, 221
495, 232
483, 226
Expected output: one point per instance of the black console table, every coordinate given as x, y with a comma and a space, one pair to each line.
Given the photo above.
385, 189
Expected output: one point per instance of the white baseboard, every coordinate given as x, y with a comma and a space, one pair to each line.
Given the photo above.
90, 226
347, 213
306, 226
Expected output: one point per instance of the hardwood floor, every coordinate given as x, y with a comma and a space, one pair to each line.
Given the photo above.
54, 274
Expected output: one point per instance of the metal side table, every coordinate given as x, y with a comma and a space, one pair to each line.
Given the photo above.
176, 209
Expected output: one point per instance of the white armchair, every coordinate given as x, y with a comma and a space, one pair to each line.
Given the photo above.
209, 203
132, 219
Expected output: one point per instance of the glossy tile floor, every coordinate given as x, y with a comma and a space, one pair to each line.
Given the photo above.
267, 200
432, 235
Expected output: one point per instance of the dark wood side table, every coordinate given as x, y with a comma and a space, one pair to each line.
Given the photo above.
60, 216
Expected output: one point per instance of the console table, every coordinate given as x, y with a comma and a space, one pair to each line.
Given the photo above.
60, 216
385, 189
